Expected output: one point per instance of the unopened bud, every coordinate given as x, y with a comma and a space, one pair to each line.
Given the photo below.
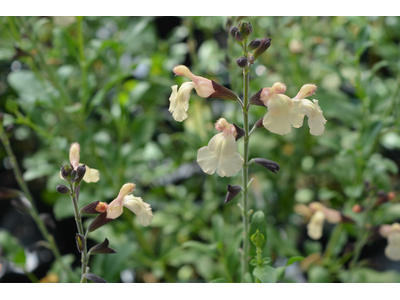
239, 37
264, 45
251, 58
81, 172
62, 189
269, 164
357, 208
254, 44
242, 62
258, 239
233, 191
391, 196
65, 172
233, 31
245, 28
80, 240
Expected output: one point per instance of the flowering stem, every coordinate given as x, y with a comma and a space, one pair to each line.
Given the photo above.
362, 237
245, 172
33, 210
78, 220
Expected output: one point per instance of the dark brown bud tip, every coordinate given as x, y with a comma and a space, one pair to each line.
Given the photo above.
256, 99
94, 278
80, 240
240, 131
233, 191
242, 62
346, 219
62, 189
254, 44
269, 164
259, 123
222, 92
264, 45
99, 221
102, 248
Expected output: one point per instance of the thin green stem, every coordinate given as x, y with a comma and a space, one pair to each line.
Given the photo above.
78, 220
83, 64
33, 211
361, 238
245, 171
333, 240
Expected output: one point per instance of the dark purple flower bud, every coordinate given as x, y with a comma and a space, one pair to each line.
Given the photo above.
264, 45
242, 62
254, 44
233, 191
269, 164
233, 31
62, 189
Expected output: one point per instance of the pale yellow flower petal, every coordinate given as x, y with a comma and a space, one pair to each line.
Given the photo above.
316, 120
114, 209
140, 208
277, 119
91, 175
316, 225
392, 251
180, 101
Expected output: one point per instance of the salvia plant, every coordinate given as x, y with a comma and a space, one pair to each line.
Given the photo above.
74, 174
221, 156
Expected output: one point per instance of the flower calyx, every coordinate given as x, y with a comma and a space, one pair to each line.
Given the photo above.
233, 191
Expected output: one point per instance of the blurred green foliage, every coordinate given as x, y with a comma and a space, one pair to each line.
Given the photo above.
104, 82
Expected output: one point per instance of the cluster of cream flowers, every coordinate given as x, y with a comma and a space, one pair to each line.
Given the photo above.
140, 208
392, 233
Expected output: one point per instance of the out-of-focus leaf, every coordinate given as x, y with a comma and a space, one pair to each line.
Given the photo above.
219, 280
266, 274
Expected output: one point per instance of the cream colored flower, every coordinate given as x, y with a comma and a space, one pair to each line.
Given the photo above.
91, 175
319, 213
205, 88
141, 209
221, 152
392, 233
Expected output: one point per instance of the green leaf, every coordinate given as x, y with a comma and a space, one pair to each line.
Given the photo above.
266, 274
204, 248
13, 251
248, 278
293, 259
258, 222
318, 274
219, 280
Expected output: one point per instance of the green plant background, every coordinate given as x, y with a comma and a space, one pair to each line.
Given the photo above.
104, 82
